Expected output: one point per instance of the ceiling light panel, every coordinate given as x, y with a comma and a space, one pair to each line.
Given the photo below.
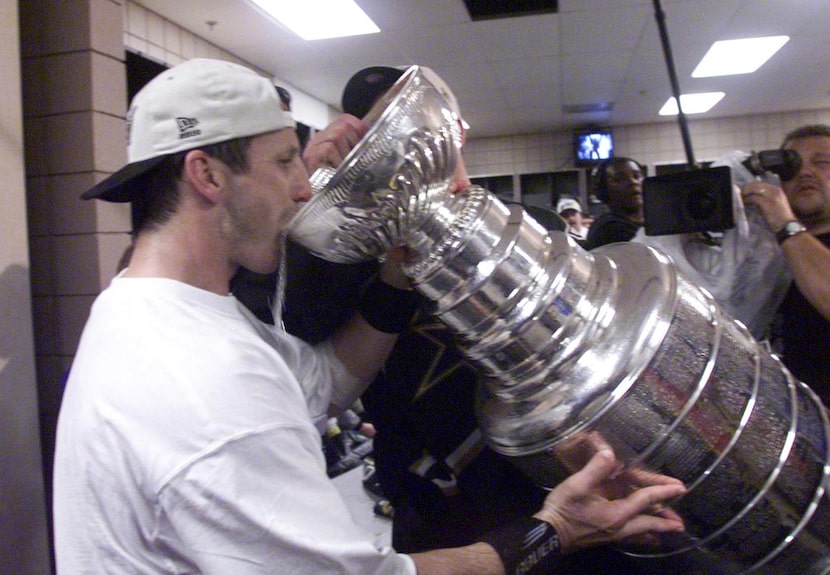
730, 57
319, 19
692, 103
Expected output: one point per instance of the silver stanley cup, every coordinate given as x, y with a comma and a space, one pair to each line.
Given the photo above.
581, 349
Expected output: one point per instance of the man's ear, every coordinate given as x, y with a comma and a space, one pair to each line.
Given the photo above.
205, 174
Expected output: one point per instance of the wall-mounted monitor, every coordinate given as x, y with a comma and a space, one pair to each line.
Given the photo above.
592, 145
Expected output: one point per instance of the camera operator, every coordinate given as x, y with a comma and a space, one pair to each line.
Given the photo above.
799, 214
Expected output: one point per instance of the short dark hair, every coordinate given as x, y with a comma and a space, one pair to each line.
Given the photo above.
809, 131
157, 191
600, 175
285, 96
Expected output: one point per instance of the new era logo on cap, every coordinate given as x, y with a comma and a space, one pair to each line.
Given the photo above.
187, 127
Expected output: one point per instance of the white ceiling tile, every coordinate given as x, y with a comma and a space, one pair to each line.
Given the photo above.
515, 73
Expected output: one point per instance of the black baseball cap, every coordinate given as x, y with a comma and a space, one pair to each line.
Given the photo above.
366, 86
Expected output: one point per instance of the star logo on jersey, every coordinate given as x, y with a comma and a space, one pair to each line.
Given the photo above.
438, 340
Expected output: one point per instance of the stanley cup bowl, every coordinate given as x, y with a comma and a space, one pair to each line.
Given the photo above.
394, 185
584, 349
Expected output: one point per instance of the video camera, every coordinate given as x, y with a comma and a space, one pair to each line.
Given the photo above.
700, 200
783, 163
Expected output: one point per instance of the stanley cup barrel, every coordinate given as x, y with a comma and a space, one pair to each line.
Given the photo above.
580, 349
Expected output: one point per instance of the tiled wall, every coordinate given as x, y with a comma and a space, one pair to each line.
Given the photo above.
152, 36
651, 144
658, 143
163, 41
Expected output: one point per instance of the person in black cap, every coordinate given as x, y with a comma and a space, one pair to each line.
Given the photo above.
365, 87
447, 488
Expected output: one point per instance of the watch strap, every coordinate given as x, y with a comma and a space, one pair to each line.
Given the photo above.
790, 229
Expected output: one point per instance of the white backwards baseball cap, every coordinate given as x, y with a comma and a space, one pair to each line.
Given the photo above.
568, 204
197, 103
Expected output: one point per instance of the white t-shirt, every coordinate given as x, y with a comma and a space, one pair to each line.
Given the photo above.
187, 444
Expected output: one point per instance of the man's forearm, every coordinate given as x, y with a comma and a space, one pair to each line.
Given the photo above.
475, 559
363, 350
385, 308
809, 262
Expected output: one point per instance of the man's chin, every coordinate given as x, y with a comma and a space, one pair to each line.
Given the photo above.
265, 266
807, 198
808, 215
263, 271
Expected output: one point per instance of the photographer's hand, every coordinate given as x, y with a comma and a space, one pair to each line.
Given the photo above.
771, 201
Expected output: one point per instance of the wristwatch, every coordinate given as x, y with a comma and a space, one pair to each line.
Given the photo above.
790, 229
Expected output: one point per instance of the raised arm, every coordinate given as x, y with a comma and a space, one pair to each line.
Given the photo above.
807, 258
385, 308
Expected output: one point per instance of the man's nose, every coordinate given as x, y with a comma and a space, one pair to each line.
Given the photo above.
302, 191
301, 188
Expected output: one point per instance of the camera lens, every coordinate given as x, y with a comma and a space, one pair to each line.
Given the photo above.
701, 201
790, 165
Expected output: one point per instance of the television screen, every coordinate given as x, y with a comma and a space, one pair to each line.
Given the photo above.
593, 146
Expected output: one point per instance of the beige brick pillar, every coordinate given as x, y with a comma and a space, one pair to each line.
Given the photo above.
74, 90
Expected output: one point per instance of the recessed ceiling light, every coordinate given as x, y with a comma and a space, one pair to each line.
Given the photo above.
692, 103
728, 57
320, 19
